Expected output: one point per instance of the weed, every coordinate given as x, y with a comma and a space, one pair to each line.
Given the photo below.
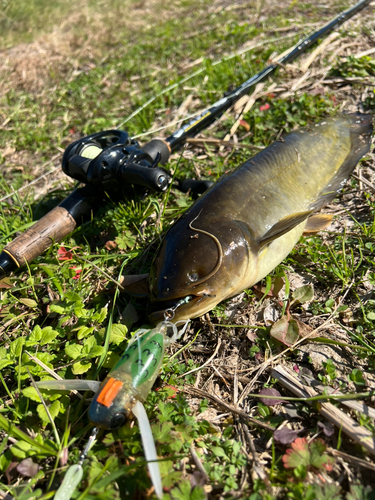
352, 66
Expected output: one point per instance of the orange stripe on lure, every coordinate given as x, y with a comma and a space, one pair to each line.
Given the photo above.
109, 392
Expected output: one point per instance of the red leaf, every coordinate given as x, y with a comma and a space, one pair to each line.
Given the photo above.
245, 125
64, 254
297, 455
265, 107
77, 274
299, 444
110, 245
310, 455
171, 390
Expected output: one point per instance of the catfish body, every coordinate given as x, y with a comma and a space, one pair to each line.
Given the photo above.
249, 221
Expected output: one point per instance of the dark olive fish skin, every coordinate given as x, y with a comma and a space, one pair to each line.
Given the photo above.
250, 220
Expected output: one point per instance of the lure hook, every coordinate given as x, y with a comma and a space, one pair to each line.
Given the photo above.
170, 312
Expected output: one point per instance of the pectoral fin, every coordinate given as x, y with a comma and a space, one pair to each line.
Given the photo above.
283, 226
317, 223
136, 285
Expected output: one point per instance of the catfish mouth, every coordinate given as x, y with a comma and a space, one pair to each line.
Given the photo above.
158, 308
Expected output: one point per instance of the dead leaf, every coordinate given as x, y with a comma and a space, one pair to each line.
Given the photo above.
285, 331
305, 329
303, 294
28, 468
270, 392
64, 456
29, 303
7, 151
6, 283
285, 435
277, 286
271, 314
11, 472
291, 410
328, 428
129, 315
110, 245
251, 335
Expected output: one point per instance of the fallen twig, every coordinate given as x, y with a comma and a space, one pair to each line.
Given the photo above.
354, 405
315, 53
206, 363
349, 426
359, 462
194, 391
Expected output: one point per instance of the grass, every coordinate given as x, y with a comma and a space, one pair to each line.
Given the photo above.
71, 72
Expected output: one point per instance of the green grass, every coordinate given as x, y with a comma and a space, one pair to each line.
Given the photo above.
98, 67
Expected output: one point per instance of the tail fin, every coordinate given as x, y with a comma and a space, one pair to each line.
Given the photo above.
360, 130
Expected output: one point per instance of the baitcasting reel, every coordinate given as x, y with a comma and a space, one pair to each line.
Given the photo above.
111, 161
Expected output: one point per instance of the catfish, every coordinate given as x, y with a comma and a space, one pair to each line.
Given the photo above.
249, 221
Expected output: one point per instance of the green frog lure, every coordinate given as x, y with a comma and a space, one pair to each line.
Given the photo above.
121, 394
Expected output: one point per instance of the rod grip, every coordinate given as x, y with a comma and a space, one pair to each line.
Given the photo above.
53, 227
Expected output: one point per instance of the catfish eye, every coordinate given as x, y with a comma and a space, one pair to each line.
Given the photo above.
117, 420
193, 277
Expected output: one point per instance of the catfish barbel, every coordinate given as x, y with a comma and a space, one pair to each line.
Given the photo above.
249, 221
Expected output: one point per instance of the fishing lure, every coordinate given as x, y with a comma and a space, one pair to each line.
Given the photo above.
122, 393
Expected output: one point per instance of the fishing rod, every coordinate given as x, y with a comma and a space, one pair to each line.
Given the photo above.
207, 117
109, 162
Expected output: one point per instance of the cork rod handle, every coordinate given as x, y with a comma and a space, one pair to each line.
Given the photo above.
53, 227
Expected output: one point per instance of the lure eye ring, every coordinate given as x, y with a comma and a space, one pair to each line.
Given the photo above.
118, 420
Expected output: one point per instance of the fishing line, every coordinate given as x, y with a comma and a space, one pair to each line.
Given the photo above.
74, 474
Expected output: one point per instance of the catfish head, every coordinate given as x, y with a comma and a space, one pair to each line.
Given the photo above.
201, 261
